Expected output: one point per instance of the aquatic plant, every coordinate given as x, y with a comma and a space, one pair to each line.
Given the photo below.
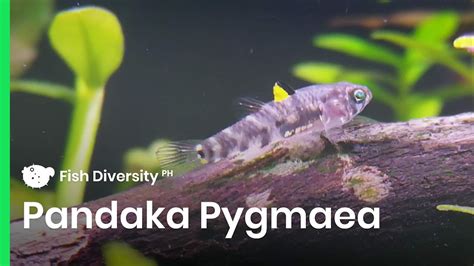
121, 254
456, 208
90, 41
145, 158
28, 20
424, 47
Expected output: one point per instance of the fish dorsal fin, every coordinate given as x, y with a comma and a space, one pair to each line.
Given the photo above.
281, 91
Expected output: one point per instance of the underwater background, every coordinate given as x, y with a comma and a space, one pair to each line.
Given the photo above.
186, 62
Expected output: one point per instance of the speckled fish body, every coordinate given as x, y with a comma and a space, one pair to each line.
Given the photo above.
315, 108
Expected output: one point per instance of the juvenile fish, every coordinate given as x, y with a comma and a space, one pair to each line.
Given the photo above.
315, 108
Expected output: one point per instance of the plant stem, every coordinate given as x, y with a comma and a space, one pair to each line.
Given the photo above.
403, 88
41, 88
81, 140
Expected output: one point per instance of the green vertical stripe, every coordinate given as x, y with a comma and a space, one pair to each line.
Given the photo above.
5, 131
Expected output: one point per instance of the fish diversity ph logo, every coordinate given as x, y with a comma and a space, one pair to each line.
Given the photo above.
37, 176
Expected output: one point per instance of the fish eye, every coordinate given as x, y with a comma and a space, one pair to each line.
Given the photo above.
200, 154
200, 151
359, 95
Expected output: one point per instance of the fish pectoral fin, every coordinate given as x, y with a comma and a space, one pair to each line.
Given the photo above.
281, 91
362, 120
247, 105
176, 153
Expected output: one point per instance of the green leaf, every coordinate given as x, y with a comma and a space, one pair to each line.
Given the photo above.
433, 32
406, 41
21, 193
455, 208
121, 254
437, 28
90, 40
429, 35
320, 72
358, 47
419, 106
28, 21
431, 53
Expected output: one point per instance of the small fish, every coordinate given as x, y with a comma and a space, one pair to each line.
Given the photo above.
315, 108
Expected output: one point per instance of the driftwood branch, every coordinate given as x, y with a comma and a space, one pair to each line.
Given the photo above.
406, 169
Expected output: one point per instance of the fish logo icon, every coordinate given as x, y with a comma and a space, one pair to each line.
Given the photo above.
37, 176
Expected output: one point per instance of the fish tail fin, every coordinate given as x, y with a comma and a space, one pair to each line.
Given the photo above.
175, 153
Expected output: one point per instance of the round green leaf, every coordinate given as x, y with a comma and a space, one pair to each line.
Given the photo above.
90, 40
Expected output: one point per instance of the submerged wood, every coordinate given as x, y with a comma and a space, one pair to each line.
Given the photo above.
405, 168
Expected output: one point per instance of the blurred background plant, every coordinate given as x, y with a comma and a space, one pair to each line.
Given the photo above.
27, 24
28, 20
117, 253
138, 158
456, 208
93, 51
90, 41
428, 44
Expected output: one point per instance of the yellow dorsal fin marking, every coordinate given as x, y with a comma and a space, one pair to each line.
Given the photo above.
465, 41
279, 94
